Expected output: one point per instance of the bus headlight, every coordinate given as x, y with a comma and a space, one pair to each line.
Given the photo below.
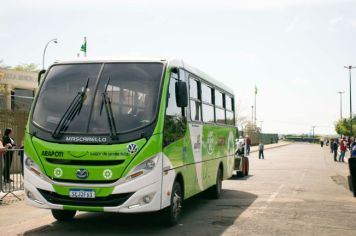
143, 168
32, 166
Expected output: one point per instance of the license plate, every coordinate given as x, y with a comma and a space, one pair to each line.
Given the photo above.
81, 193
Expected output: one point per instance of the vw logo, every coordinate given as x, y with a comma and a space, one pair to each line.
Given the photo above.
82, 174
132, 148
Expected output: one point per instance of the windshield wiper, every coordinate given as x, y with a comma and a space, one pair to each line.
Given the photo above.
73, 109
106, 102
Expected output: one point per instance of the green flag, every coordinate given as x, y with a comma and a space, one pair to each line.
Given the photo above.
83, 48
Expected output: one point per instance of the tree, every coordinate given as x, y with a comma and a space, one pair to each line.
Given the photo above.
342, 126
3, 65
32, 67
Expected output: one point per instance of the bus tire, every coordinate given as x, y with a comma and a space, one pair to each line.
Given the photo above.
215, 191
172, 213
63, 215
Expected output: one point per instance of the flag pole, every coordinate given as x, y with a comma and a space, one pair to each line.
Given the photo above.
85, 43
255, 105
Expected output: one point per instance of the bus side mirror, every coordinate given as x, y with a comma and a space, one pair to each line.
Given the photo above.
40, 76
181, 94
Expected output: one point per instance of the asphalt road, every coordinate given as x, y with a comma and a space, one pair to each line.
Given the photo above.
297, 190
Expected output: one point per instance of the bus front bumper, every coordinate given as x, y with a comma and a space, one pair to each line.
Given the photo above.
140, 195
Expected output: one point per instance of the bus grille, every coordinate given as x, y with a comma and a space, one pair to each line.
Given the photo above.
109, 201
85, 162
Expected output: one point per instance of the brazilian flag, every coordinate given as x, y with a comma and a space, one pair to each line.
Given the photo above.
83, 48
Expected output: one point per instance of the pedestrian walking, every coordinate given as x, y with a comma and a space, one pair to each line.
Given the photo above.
10, 143
248, 145
335, 146
260, 151
343, 147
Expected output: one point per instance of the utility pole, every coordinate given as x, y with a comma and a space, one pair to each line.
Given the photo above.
350, 68
255, 105
252, 114
341, 92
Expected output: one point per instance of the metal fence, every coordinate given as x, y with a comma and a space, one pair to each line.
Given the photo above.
17, 121
11, 170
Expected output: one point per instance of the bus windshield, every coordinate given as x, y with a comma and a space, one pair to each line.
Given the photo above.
131, 89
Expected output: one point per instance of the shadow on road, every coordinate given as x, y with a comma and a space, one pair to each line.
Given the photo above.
235, 177
201, 216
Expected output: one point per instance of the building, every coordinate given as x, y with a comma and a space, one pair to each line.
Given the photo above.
17, 89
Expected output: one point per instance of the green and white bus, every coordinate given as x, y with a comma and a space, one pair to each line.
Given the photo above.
127, 136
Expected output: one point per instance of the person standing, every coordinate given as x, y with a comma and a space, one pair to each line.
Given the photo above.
260, 151
10, 143
331, 145
343, 147
3, 148
248, 144
334, 146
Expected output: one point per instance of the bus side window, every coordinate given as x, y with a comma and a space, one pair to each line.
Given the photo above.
175, 121
195, 100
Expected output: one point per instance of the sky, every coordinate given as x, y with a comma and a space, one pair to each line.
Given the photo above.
293, 51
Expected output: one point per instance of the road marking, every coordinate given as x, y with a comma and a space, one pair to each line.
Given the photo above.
297, 187
270, 199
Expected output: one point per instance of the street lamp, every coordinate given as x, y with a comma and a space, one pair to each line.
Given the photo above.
341, 92
44, 51
350, 68
252, 114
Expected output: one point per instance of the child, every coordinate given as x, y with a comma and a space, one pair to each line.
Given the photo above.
260, 151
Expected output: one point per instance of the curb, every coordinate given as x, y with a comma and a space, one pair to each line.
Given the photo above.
277, 146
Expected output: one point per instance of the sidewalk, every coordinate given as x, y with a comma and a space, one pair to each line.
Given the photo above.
270, 146
10, 198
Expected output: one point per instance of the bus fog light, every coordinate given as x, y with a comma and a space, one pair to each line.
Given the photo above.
150, 164
30, 195
134, 206
146, 199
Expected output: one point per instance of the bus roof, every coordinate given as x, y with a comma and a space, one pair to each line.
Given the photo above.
171, 62
200, 74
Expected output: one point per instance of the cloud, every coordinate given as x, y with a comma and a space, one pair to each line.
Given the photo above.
334, 22
245, 56
353, 24
297, 81
260, 5
292, 24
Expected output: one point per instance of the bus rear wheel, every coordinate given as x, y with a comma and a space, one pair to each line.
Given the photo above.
63, 215
172, 213
215, 191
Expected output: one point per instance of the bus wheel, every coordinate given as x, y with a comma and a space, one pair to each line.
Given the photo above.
63, 215
215, 191
172, 213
